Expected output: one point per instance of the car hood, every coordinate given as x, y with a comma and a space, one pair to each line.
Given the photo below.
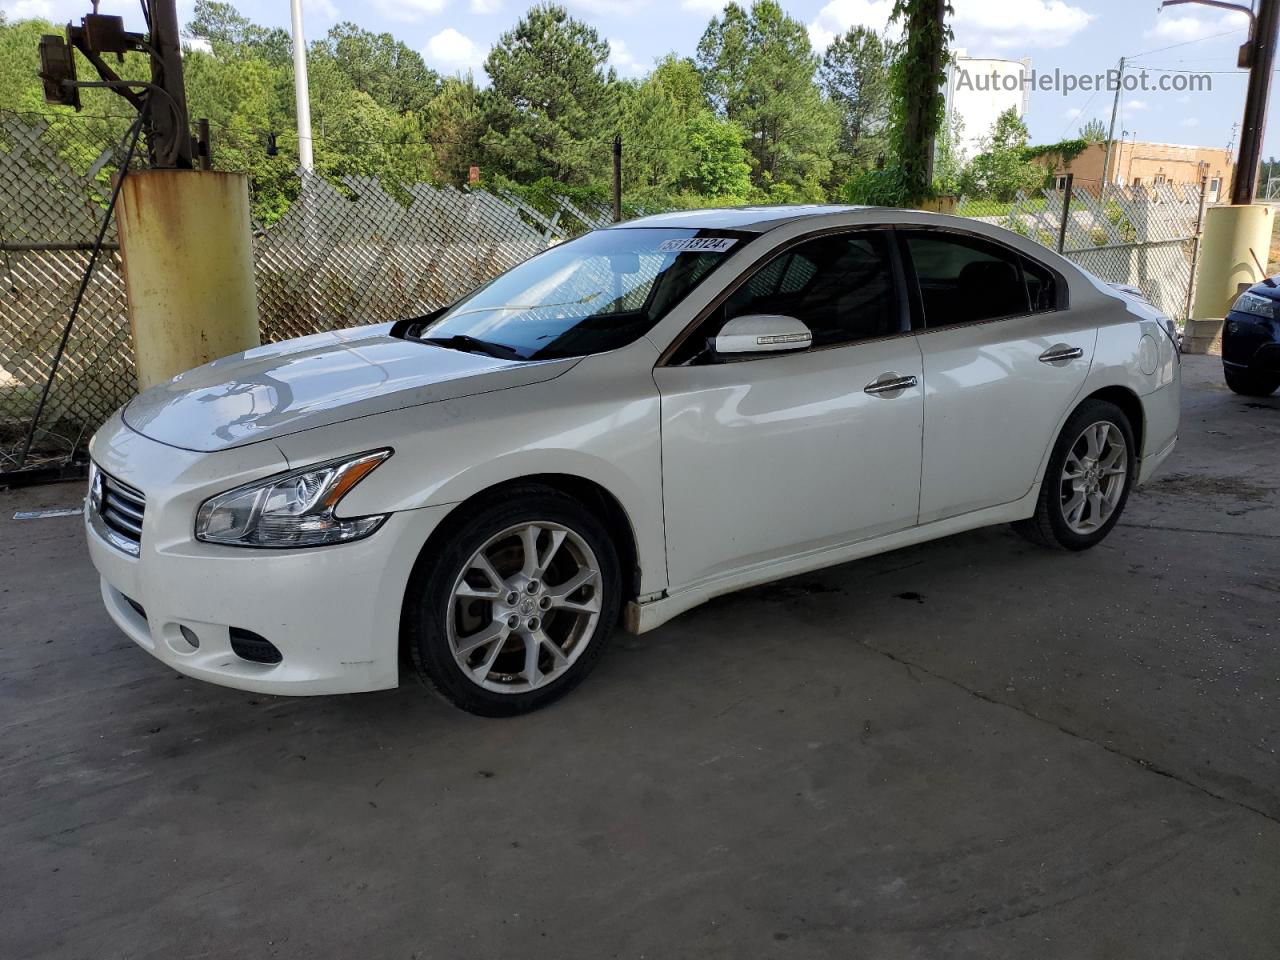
327, 378
1260, 289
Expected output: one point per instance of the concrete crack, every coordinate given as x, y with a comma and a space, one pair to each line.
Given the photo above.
1147, 765
1219, 533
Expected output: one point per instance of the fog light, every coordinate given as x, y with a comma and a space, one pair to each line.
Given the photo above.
189, 635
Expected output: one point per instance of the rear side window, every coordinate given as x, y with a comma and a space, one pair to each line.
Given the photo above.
1042, 285
967, 279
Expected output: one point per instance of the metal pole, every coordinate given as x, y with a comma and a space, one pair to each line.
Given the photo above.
1111, 133
1066, 211
617, 176
1195, 246
202, 142
172, 127
302, 96
1255, 104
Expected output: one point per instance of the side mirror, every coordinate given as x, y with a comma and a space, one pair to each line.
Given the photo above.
762, 333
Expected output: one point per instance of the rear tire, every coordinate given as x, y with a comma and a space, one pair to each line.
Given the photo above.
494, 622
1091, 470
1250, 384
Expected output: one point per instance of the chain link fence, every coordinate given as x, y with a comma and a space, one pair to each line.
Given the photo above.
342, 254
355, 250
55, 182
1143, 237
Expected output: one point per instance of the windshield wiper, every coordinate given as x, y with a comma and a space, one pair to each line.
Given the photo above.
467, 344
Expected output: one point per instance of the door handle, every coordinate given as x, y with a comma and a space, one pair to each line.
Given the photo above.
1061, 353
889, 383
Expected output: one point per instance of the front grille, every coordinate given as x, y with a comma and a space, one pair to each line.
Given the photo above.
121, 509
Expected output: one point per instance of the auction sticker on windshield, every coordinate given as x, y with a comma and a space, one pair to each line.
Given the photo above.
697, 245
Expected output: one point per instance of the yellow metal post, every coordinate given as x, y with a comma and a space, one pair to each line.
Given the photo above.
1233, 237
188, 269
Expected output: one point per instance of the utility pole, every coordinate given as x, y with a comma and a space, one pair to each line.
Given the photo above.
301, 93
617, 176
171, 126
1262, 61
1258, 54
185, 241
1111, 132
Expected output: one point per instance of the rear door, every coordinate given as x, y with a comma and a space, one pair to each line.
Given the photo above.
1004, 359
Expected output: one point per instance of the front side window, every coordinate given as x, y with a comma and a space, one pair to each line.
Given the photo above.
966, 279
596, 293
840, 286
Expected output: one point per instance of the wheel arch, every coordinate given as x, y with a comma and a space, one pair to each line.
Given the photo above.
1123, 397
1129, 402
607, 507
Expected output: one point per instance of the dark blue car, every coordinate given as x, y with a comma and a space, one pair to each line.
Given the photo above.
1251, 341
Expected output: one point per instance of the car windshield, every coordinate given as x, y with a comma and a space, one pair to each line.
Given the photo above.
596, 293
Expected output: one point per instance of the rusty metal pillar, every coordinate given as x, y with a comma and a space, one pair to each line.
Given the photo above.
188, 268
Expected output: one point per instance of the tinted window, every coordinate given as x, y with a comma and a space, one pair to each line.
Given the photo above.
965, 279
840, 286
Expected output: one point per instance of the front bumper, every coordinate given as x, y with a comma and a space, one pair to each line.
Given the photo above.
332, 612
1251, 343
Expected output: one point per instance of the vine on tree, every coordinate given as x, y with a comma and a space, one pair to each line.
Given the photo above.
918, 108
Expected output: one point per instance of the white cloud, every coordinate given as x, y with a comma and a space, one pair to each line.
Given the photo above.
27, 9
1015, 25
704, 6
485, 7
623, 60
1191, 121
407, 11
453, 50
1136, 104
838, 16
1073, 113
197, 43
1182, 29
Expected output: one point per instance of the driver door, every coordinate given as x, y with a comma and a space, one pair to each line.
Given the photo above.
769, 456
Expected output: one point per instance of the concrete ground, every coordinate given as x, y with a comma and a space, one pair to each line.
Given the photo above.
973, 748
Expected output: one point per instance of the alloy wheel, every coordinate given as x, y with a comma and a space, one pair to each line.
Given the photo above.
1094, 475
524, 607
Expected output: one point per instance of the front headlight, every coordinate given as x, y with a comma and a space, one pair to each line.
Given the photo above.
293, 509
1256, 305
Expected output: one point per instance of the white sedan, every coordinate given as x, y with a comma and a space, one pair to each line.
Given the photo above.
617, 430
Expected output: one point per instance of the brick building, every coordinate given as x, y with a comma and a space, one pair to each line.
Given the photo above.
1139, 164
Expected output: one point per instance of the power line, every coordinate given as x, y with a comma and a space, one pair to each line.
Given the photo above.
1184, 43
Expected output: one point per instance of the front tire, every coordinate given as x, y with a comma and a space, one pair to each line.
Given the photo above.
1250, 384
517, 606
1086, 485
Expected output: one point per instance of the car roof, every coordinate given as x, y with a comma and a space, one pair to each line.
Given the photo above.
749, 219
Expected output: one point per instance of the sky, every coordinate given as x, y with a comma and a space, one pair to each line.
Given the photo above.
1077, 36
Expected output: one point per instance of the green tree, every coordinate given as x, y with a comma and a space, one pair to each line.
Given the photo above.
231, 34
855, 77
1002, 168
758, 70
1095, 131
654, 147
717, 165
456, 123
378, 64
680, 78
674, 145
552, 112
